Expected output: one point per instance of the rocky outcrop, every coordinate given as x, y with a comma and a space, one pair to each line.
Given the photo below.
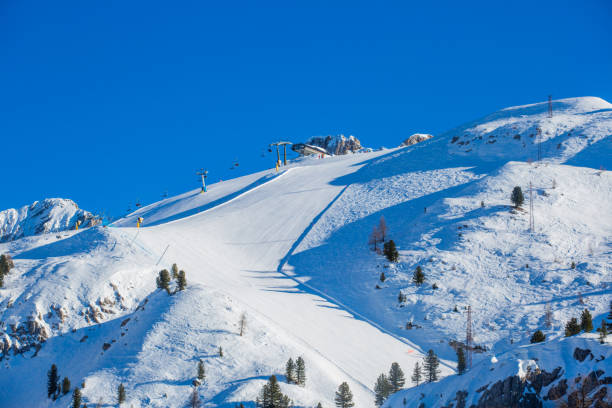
336, 145
49, 215
416, 138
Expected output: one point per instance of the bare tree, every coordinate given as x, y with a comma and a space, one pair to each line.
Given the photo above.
242, 323
374, 237
548, 316
194, 399
382, 228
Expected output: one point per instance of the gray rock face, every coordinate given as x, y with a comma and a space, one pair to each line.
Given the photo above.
416, 138
336, 145
512, 392
49, 215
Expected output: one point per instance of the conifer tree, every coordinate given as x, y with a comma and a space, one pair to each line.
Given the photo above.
201, 371
175, 270
242, 323
382, 389
344, 396
517, 197
319, 405
290, 371
390, 251
52, 380
417, 374
430, 365
603, 331
586, 321
164, 280
572, 327
418, 277
76, 398
220, 351
460, 361
382, 277
300, 372
396, 378
181, 280
120, 394
271, 396
65, 386
537, 337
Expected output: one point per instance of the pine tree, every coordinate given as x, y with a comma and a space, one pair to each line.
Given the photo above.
382, 389
65, 386
290, 371
76, 398
271, 396
194, 399
401, 298
586, 321
517, 197
417, 374
390, 251
175, 270
382, 228
242, 323
460, 361
164, 280
319, 405
430, 365
300, 372
537, 337
344, 396
120, 394
52, 380
181, 280
220, 351
572, 327
418, 277
396, 378
603, 331
382, 277
201, 371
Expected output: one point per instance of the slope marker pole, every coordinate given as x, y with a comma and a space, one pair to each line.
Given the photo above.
162, 255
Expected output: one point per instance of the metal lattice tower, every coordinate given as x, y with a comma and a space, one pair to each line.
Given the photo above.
531, 218
550, 106
469, 340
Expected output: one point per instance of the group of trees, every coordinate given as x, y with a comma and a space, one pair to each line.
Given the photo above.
164, 279
388, 384
586, 324
6, 264
296, 372
55, 389
379, 235
429, 370
271, 396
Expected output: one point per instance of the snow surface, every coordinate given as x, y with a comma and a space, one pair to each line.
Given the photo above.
290, 249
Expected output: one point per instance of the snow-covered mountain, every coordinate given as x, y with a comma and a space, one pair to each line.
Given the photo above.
40, 217
290, 251
336, 144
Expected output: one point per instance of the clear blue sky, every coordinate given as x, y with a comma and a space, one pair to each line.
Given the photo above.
107, 102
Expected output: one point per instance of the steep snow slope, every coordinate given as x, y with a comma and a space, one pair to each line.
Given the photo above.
49, 215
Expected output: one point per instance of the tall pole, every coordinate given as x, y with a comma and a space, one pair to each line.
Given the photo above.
284, 155
203, 173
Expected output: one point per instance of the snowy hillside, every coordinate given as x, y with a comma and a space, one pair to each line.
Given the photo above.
49, 215
291, 252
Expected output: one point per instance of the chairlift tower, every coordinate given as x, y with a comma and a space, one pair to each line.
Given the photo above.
203, 174
277, 144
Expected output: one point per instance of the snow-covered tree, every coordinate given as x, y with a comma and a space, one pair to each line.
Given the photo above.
417, 374
300, 372
175, 270
181, 280
201, 371
163, 281
382, 389
344, 396
396, 377
431, 365
290, 370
